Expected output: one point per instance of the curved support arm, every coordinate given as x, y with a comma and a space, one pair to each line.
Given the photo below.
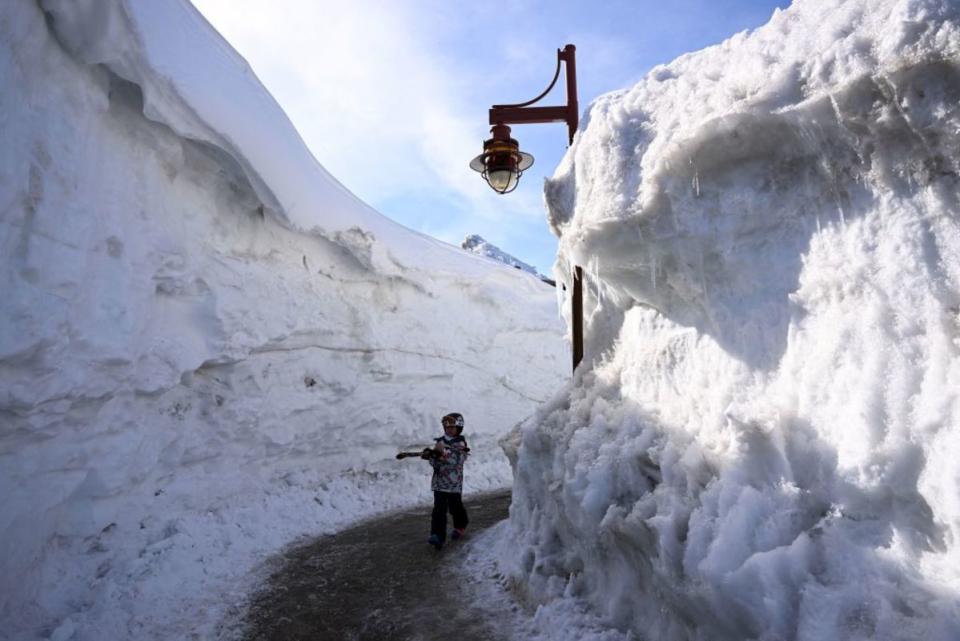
523, 113
545, 91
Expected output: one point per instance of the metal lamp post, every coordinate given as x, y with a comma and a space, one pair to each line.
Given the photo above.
502, 163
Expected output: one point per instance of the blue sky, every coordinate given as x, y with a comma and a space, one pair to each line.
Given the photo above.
392, 97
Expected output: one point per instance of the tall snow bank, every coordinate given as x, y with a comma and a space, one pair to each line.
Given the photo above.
762, 443
208, 347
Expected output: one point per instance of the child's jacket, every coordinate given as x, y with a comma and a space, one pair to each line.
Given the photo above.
448, 470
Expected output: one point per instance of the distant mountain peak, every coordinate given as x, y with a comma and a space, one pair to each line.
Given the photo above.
478, 245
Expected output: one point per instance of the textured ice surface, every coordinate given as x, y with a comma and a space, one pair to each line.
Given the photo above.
762, 442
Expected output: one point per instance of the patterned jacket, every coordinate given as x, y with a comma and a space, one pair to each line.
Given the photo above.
448, 469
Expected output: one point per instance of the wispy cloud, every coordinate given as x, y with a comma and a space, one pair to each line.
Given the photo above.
392, 97
379, 105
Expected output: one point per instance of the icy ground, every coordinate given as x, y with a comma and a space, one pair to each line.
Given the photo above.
208, 346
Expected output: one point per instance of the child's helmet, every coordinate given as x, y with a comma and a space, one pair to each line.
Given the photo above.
457, 419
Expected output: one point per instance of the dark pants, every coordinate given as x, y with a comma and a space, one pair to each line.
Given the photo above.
443, 501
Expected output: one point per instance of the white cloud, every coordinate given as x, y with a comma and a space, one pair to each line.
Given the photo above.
383, 107
392, 97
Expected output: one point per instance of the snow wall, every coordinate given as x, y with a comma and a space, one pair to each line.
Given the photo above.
208, 346
762, 442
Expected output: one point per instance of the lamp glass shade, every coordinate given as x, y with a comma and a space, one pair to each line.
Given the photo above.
502, 180
525, 162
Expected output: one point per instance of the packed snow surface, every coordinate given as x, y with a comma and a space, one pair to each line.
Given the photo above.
208, 346
762, 442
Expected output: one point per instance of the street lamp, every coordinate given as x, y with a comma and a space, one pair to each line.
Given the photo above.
502, 163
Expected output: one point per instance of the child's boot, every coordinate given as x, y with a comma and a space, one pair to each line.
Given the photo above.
458, 533
435, 541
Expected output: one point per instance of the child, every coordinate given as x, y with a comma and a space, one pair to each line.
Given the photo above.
447, 458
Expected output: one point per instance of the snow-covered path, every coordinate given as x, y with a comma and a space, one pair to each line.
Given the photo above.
378, 580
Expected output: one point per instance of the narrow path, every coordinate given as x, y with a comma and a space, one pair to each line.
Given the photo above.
377, 581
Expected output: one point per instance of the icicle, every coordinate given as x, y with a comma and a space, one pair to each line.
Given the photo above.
703, 275
653, 270
696, 179
561, 298
595, 268
830, 175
